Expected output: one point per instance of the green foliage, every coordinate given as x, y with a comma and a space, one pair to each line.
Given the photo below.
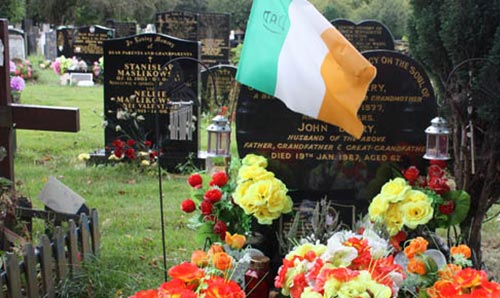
239, 10
13, 10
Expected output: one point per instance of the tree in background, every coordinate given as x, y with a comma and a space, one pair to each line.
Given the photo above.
443, 34
13, 10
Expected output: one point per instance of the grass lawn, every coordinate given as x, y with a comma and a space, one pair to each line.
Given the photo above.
126, 198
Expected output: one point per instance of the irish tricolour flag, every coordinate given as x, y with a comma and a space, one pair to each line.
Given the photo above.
292, 52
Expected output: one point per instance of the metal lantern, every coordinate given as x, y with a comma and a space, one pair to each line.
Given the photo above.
219, 137
437, 139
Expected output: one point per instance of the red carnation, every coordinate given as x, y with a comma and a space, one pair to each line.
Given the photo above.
118, 143
195, 180
147, 143
130, 142
220, 179
213, 195
438, 185
447, 207
188, 206
118, 152
411, 174
130, 153
206, 207
220, 228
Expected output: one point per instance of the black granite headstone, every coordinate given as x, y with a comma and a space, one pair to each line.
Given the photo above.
180, 24
366, 35
316, 159
134, 67
223, 78
213, 32
65, 41
122, 29
88, 40
31, 34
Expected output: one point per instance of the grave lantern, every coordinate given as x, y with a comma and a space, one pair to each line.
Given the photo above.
437, 140
219, 137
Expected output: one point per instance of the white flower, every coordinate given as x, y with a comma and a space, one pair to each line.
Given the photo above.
140, 118
118, 128
104, 124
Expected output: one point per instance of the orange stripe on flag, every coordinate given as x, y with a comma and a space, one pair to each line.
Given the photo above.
347, 75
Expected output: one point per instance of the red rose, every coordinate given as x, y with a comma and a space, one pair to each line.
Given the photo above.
411, 174
153, 155
130, 142
220, 228
213, 195
130, 153
447, 207
188, 206
435, 171
439, 163
195, 179
118, 152
147, 143
220, 179
438, 185
118, 143
206, 207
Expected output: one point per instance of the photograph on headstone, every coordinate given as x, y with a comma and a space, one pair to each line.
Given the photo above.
141, 81
366, 35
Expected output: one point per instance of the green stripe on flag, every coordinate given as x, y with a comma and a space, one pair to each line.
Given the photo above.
266, 32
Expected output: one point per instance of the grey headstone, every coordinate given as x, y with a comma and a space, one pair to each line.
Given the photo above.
60, 198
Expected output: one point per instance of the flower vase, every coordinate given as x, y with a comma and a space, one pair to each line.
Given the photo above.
257, 278
15, 96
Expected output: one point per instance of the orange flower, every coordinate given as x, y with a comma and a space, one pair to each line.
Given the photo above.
449, 271
443, 288
199, 258
215, 248
468, 278
416, 246
416, 265
222, 261
187, 272
461, 250
146, 294
218, 287
235, 241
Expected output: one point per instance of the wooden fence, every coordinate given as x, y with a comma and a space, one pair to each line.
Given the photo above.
44, 266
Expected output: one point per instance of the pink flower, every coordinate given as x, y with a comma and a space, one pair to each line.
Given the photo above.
17, 83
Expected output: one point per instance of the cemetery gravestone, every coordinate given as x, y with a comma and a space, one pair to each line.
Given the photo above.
366, 35
50, 46
31, 35
223, 77
65, 41
17, 44
214, 36
180, 24
122, 29
316, 159
134, 65
88, 41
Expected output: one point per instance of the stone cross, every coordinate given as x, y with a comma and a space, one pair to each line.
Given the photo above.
19, 116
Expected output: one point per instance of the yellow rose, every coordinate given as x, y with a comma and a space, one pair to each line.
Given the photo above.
416, 213
83, 156
378, 207
240, 191
253, 173
255, 197
415, 196
253, 159
393, 219
279, 201
395, 190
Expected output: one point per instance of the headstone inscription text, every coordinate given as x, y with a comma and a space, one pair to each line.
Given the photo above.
224, 93
88, 41
318, 159
366, 35
134, 67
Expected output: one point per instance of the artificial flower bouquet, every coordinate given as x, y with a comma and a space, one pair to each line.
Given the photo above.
413, 201
430, 275
216, 273
348, 265
131, 150
229, 202
63, 65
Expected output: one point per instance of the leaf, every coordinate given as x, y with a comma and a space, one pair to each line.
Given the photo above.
462, 205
